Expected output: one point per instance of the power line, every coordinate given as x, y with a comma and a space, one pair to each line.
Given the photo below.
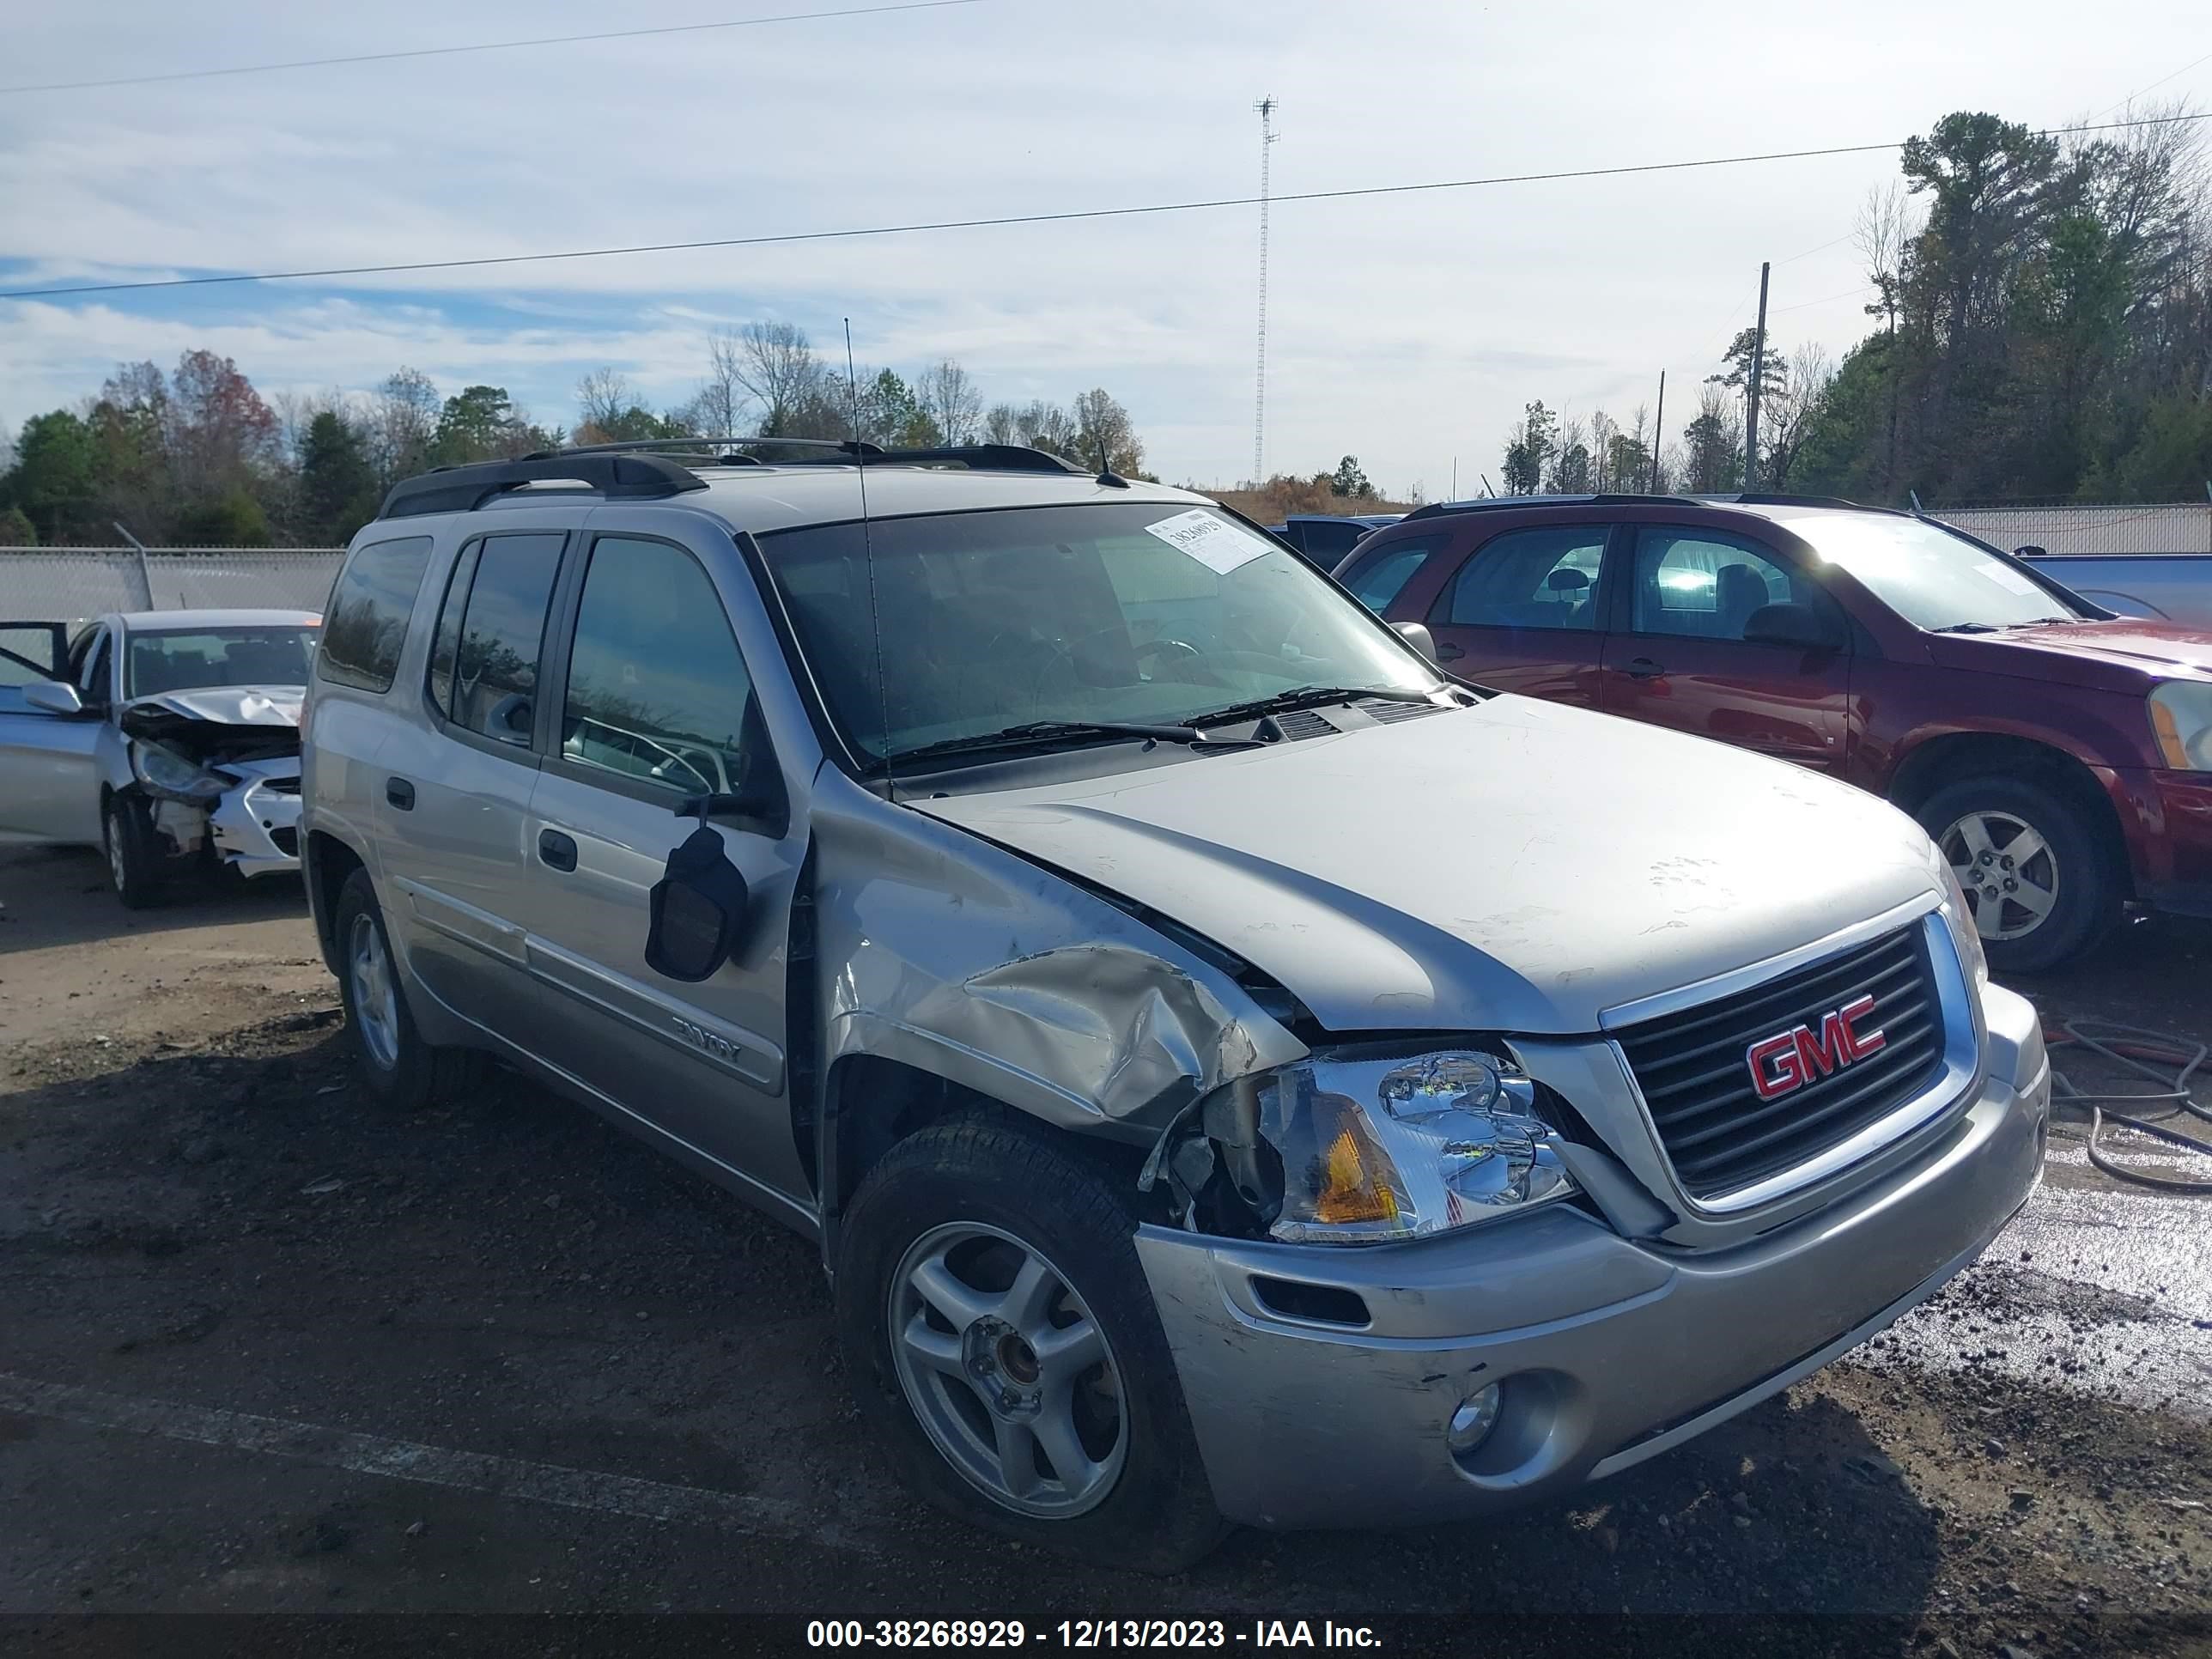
2153, 86
485, 45
1825, 298
1148, 210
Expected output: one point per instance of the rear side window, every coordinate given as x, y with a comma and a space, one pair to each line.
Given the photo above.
483, 665
366, 622
1382, 574
1544, 577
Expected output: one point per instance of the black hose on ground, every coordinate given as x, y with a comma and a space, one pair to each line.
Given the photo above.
2153, 1055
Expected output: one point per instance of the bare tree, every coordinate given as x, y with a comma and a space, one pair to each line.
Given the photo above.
1786, 414
949, 398
1884, 231
602, 397
402, 420
1002, 424
719, 409
776, 365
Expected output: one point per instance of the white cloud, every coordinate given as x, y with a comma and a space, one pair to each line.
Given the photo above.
1408, 329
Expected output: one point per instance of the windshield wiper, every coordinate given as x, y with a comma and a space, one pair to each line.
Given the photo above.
1968, 627
1309, 697
1032, 733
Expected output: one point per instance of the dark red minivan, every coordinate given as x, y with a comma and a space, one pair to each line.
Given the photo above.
2060, 754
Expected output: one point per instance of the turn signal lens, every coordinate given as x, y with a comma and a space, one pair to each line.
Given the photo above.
1347, 1194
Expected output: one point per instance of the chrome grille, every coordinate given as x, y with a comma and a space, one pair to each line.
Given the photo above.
1695, 1076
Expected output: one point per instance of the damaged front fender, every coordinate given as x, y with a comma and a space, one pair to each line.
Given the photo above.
953, 956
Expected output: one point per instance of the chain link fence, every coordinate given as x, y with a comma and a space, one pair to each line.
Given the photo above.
70, 584
2080, 530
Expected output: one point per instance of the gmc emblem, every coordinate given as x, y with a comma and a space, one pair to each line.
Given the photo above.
1785, 1062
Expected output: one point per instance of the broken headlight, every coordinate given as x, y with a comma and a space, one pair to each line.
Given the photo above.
1398, 1146
165, 770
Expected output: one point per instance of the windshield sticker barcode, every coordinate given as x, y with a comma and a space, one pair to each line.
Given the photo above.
1218, 544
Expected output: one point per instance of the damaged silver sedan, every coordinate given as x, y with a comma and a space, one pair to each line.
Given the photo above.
1235, 1073
168, 739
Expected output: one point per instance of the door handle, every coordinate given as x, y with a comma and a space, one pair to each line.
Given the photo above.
1447, 651
400, 793
556, 849
1643, 668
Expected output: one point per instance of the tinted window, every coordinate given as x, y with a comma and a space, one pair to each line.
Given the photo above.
657, 689
1382, 574
493, 682
1540, 578
446, 644
189, 659
366, 622
1702, 584
1325, 544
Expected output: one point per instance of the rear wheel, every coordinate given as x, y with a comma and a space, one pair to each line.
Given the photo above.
137, 866
2042, 887
1002, 1336
400, 1068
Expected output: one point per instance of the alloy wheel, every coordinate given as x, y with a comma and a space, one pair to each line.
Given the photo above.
375, 997
2007, 869
1007, 1371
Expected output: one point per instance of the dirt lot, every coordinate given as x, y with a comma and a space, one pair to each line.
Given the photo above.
267, 1349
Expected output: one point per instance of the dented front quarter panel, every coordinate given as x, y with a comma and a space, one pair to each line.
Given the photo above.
949, 954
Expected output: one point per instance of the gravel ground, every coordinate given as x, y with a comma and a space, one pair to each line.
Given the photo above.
502, 1376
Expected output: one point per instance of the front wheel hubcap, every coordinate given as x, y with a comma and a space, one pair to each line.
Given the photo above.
375, 998
1007, 1372
2007, 869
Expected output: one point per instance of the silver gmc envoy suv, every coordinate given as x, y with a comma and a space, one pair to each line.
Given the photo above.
1235, 1073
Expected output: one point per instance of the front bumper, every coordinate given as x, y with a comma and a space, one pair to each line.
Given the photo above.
2167, 817
1608, 1350
256, 827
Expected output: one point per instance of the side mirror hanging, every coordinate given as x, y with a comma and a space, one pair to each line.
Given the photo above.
697, 908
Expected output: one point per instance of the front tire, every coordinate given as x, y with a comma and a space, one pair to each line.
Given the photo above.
137, 866
2042, 887
1001, 1337
401, 1069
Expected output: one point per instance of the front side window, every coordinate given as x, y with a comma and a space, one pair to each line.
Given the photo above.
490, 683
1143, 612
195, 659
1544, 577
1706, 584
657, 689
1931, 576
1382, 574
366, 622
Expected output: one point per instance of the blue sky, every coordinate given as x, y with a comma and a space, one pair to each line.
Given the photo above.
1407, 330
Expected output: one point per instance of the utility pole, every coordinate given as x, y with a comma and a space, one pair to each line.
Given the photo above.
1658, 429
1266, 107
1758, 373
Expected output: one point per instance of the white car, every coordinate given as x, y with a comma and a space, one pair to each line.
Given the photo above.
166, 738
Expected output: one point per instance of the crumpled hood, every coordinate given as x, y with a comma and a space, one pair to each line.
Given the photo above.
2123, 654
227, 705
1521, 866
220, 722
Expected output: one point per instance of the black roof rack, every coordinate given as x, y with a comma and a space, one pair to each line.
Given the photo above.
1738, 498
637, 470
464, 489
840, 452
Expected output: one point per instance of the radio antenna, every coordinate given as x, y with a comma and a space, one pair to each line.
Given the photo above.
868, 559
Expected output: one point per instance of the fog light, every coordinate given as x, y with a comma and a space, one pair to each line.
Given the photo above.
1472, 1422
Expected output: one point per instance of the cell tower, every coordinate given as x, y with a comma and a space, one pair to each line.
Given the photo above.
1266, 107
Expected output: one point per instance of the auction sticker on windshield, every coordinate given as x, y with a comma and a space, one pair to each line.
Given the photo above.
1218, 544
